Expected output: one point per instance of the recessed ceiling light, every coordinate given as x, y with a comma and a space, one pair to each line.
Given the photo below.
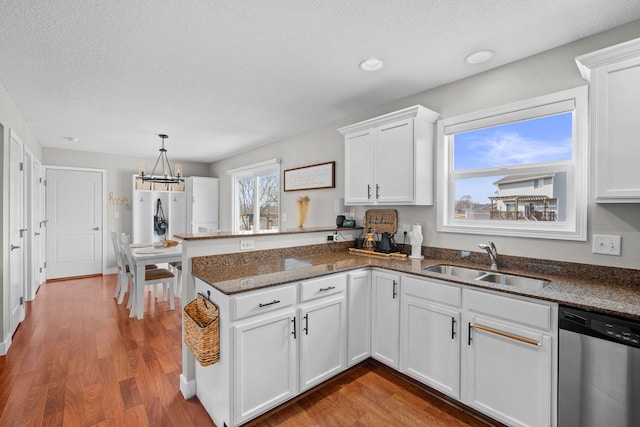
70, 138
371, 64
479, 57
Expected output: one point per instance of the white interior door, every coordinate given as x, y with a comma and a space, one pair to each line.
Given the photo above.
27, 235
16, 226
74, 200
36, 230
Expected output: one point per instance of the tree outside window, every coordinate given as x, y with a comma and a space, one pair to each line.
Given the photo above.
257, 199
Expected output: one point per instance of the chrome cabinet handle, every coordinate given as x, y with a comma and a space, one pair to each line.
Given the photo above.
328, 288
306, 324
377, 191
275, 301
395, 289
14, 247
368, 191
453, 328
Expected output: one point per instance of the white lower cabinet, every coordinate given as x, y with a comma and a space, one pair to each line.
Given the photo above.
323, 340
430, 334
494, 353
284, 347
385, 318
359, 316
509, 353
266, 368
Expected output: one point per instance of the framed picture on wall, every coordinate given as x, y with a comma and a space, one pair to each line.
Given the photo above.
313, 177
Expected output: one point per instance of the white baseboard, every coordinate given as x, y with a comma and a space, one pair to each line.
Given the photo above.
188, 388
5, 344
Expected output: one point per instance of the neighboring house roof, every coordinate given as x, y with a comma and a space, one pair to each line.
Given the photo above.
520, 178
523, 198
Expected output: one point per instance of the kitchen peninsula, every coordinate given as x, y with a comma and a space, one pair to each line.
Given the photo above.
297, 288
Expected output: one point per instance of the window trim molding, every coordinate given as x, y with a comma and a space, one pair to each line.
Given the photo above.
577, 183
254, 169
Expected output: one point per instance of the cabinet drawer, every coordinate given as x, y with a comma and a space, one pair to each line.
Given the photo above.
516, 310
263, 301
437, 292
323, 286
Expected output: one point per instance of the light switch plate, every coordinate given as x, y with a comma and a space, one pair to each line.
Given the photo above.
606, 245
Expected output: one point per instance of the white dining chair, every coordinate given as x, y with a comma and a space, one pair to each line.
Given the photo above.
151, 277
176, 268
123, 279
124, 272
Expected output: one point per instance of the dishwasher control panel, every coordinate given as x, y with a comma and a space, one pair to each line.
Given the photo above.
616, 331
611, 328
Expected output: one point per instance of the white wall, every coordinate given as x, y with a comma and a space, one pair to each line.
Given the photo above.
119, 171
541, 74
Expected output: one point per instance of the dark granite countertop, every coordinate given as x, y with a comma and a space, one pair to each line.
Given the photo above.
232, 234
230, 276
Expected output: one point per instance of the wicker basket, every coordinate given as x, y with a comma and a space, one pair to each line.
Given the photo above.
201, 330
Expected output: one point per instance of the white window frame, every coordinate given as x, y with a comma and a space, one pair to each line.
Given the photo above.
256, 169
575, 227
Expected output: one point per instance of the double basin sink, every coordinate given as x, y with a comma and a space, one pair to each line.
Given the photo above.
465, 273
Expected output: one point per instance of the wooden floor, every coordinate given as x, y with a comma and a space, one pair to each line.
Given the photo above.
79, 360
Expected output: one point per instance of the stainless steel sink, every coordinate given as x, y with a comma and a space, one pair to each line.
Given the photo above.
516, 281
465, 273
453, 270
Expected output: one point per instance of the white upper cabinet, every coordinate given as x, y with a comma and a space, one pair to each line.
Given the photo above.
614, 101
389, 159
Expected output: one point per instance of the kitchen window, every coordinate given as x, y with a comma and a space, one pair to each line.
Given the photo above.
516, 170
256, 197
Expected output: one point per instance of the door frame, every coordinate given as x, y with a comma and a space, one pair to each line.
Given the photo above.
46, 168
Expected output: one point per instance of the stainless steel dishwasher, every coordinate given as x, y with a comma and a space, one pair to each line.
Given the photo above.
598, 370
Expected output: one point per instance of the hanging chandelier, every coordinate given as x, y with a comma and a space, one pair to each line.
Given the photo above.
165, 175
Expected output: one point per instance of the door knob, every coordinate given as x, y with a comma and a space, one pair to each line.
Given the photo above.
96, 228
14, 247
36, 233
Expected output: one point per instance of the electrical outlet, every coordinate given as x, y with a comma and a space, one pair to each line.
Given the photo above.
606, 245
330, 238
246, 245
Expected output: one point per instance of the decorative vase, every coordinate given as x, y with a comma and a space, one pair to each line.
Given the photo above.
415, 238
303, 208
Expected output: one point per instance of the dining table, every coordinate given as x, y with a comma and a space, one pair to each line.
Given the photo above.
144, 254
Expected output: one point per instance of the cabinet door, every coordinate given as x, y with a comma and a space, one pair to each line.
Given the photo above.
615, 105
394, 174
385, 318
202, 204
177, 213
359, 317
265, 364
322, 341
358, 189
430, 345
508, 372
143, 210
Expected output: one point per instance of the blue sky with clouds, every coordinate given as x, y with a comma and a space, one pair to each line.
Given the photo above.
541, 140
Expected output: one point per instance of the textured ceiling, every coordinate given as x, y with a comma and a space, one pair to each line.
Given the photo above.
220, 77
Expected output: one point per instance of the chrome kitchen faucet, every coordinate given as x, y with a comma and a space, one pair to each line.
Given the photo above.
493, 253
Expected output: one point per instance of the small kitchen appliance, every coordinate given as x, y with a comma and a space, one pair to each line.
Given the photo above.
386, 244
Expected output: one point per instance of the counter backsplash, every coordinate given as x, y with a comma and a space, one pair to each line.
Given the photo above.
523, 265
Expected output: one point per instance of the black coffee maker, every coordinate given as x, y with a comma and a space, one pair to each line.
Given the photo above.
386, 244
